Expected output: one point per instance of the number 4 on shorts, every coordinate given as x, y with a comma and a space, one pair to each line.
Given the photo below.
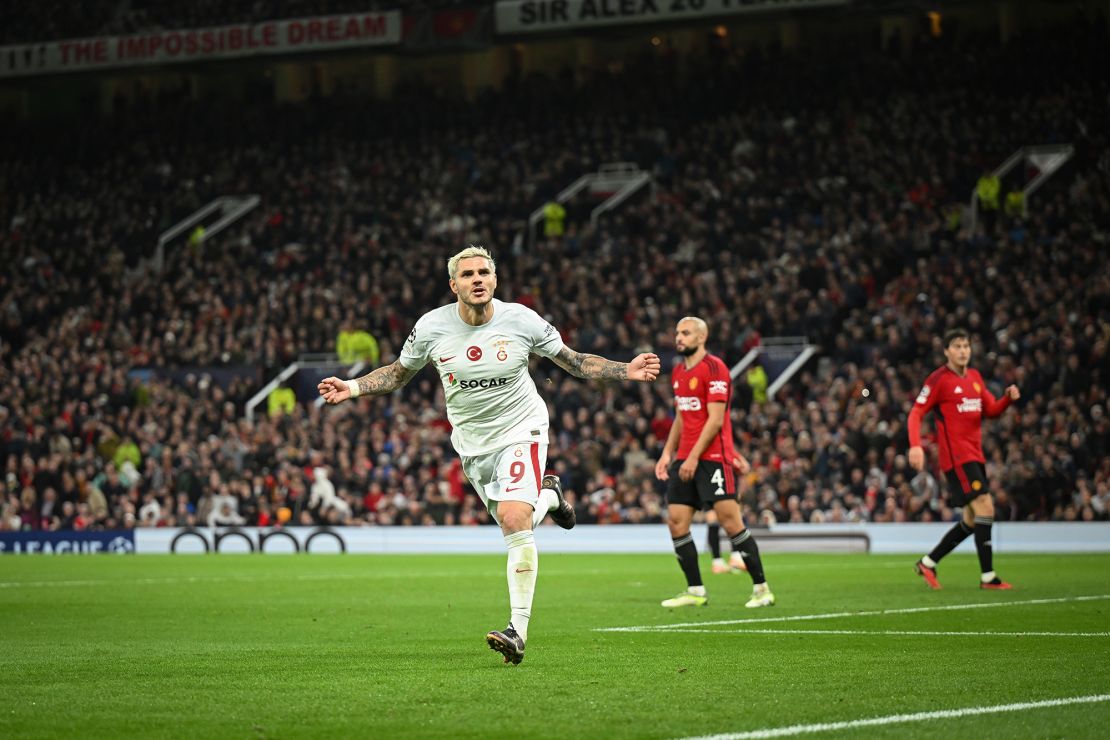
719, 479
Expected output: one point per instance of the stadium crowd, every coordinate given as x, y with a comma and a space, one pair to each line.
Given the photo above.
796, 196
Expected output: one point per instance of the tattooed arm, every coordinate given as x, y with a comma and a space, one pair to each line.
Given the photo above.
644, 367
376, 383
590, 366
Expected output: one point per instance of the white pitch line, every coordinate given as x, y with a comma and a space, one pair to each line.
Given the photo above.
215, 579
901, 718
931, 633
839, 615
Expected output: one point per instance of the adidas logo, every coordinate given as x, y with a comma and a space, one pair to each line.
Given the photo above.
959, 389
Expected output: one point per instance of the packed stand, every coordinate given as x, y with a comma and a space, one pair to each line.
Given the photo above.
806, 204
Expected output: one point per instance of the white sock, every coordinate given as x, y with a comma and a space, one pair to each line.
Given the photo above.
696, 590
988, 576
760, 588
928, 562
521, 569
718, 561
548, 502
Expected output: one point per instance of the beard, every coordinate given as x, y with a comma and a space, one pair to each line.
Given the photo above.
686, 351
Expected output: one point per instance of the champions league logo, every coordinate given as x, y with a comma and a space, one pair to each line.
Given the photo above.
121, 546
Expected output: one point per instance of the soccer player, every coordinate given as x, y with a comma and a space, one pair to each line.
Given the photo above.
702, 474
958, 398
480, 347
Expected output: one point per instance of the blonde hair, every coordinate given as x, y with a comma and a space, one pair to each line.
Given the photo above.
472, 250
699, 323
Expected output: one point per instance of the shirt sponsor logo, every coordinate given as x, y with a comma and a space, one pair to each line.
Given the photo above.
473, 353
688, 403
483, 383
718, 386
970, 406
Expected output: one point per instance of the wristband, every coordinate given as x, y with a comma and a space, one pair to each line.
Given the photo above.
352, 386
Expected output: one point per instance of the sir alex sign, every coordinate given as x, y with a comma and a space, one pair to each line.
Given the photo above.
533, 16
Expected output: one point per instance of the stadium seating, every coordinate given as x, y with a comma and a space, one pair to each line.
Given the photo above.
797, 195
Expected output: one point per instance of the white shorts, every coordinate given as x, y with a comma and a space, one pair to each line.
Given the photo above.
513, 473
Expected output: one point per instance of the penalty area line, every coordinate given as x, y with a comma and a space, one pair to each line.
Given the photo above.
840, 615
916, 633
903, 718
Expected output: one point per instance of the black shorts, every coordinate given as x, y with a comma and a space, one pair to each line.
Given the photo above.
712, 482
966, 482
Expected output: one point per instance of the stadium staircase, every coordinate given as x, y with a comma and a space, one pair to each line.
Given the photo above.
1041, 162
216, 216
782, 357
321, 366
613, 183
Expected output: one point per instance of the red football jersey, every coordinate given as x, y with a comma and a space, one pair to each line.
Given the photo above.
694, 389
959, 403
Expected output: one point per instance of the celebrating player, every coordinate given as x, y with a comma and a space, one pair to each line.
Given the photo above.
480, 347
702, 476
959, 399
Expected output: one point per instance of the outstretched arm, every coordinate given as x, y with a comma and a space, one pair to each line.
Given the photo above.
377, 383
644, 368
993, 407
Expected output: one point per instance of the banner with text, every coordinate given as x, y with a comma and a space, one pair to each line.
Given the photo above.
534, 16
289, 36
57, 543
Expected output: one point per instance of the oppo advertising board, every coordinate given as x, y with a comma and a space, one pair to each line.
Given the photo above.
535, 16
1041, 537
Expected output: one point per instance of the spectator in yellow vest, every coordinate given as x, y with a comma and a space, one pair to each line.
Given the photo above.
196, 238
553, 217
354, 344
281, 401
757, 379
127, 451
988, 189
954, 217
1015, 203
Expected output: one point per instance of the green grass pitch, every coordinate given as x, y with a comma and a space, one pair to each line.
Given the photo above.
323, 646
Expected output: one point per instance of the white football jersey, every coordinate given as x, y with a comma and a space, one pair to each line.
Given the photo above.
492, 401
